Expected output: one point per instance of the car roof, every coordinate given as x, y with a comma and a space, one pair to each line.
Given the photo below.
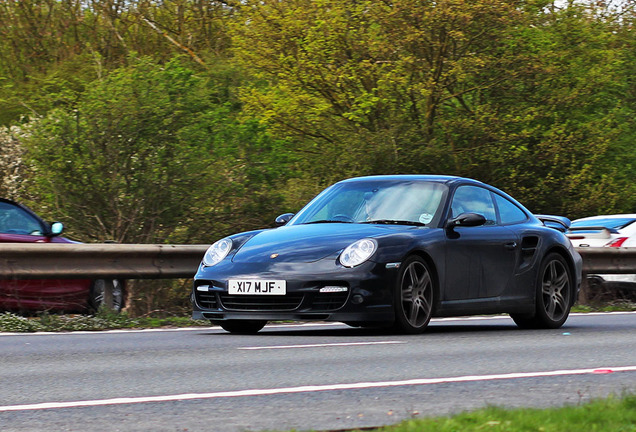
17, 204
444, 179
23, 207
7, 200
413, 177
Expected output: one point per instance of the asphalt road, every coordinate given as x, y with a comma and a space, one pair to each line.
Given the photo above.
304, 377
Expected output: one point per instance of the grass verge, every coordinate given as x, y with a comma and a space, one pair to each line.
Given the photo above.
613, 414
103, 320
607, 307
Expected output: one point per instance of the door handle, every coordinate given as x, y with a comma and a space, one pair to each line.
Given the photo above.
511, 245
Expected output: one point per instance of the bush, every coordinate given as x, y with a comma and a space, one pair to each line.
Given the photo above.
17, 324
103, 320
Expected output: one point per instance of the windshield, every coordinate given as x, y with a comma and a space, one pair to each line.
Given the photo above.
15, 220
610, 223
383, 202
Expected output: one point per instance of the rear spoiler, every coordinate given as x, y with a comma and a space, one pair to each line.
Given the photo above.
559, 223
596, 232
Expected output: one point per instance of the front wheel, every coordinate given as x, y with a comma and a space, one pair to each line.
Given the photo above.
241, 326
553, 295
413, 297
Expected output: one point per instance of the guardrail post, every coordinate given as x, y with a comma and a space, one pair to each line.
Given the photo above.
109, 286
584, 295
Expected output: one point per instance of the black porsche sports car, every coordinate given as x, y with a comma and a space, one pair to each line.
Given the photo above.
394, 251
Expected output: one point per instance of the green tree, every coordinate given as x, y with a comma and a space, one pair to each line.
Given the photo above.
521, 94
361, 85
560, 124
150, 153
51, 49
11, 164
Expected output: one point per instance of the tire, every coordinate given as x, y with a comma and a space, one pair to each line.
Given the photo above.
553, 295
413, 296
101, 286
241, 326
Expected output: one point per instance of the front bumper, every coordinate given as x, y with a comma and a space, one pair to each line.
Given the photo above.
368, 296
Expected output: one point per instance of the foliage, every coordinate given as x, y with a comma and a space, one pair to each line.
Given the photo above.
610, 414
525, 95
607, 306
118, 156
18, 324
494, 90
360, 85
138, 145
152, 297
53, 49
567, 131
103, 320
11, 165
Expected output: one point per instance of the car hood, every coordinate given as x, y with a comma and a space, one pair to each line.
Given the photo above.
308, 243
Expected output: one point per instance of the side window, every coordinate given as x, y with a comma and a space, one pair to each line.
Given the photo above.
473, 199
509, 213
14, 220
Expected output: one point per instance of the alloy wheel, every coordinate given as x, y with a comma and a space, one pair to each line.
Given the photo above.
416, 294
555, 290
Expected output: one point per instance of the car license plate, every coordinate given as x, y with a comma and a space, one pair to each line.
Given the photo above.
257, 286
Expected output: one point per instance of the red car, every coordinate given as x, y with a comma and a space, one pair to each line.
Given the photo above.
18, 224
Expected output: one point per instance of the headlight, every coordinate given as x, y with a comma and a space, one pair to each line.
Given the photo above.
217, 252
358, 252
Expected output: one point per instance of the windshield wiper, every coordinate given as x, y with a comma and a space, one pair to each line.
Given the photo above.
394, 222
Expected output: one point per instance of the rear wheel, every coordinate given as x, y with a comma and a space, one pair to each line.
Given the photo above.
108, 294
554, 292
241, 326
413, 297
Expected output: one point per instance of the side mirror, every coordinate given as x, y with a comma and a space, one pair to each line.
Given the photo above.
56, 228
465, 220
283, 219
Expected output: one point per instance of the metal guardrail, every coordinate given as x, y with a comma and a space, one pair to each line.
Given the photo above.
103, 261
600, 260
152, 261
608, 260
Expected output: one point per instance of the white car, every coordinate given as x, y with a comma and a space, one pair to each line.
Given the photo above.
606, 231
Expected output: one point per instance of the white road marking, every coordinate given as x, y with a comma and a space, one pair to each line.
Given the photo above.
321, 345
311, 388
305, 324
118, 331
507, 317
